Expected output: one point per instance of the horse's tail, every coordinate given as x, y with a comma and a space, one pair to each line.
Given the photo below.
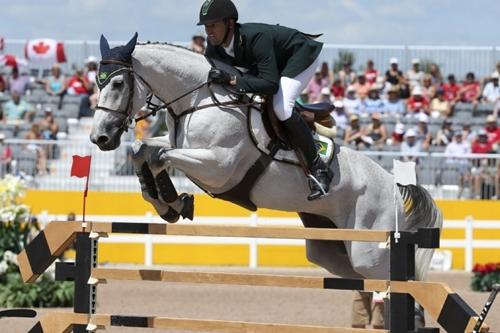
420, 212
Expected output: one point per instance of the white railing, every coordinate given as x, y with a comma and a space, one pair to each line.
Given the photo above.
468, 244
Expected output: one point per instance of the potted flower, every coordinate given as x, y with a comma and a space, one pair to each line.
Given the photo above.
485, 276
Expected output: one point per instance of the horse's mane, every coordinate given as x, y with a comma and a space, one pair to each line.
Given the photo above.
158, 43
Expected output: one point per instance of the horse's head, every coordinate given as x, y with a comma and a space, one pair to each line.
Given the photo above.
115, 79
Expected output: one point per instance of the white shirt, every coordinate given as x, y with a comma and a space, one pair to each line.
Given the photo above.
353, 106
455, 148
491, 93
230, 49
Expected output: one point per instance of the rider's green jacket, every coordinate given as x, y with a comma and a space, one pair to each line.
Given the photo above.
268, 52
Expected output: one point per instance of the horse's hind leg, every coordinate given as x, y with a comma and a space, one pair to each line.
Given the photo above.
157, 187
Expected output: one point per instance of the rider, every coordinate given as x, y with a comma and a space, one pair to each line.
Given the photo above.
280, 62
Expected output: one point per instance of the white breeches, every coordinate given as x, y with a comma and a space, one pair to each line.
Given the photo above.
290, 89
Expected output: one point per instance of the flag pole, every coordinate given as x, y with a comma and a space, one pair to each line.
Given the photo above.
84, 223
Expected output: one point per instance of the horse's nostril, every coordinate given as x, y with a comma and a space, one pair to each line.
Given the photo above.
102, 140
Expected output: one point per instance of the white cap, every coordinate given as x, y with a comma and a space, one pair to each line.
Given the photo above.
48, 109
2, 136
491, 119
400, 128
495, 75
393, 60
91, 59
318, 70
482, 131
351, 88
325, 91
423, 118
416, 91
338, 104
410, 132
415, 61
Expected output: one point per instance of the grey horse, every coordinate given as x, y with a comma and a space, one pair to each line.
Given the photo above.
209, 142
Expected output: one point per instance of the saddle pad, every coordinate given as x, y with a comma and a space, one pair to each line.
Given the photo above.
261, 140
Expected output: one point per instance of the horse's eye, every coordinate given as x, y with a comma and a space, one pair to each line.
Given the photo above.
117, 84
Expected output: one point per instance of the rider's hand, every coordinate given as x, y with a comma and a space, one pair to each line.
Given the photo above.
220, 76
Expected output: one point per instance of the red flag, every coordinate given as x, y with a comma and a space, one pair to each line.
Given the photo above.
81, 166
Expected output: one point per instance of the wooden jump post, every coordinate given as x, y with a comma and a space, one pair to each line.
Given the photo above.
444, 305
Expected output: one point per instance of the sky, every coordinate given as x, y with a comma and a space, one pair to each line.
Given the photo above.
385, 22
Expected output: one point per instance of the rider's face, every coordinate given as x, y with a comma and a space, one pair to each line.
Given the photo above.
216, 32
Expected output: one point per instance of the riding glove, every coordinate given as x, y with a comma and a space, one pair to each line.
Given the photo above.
220, 76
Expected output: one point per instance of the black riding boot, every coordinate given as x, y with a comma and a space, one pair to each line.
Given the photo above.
300, 137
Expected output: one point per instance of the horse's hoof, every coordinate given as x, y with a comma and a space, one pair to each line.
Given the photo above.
187, 211
171, 216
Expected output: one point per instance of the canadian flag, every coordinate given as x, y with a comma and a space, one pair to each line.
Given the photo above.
44, 50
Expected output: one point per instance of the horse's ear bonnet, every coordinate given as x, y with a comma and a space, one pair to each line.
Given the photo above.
120, 53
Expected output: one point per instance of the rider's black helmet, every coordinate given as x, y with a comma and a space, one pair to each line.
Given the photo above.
217, 10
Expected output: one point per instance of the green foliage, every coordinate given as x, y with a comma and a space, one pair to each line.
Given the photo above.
485, 276
343, 57
16, 229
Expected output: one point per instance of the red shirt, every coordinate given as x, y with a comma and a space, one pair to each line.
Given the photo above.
6, 154
337, 91
371, 75
415, 106
482, 147
493, 134
450, 91
470, 92
78, 84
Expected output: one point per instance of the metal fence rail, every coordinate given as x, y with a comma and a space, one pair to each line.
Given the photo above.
474, 176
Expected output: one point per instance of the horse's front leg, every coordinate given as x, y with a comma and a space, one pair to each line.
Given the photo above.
156, 185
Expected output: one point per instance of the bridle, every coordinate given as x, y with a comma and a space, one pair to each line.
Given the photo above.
130, 121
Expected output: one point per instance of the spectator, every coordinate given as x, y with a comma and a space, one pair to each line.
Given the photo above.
337, 90
339, 115
423, 133
417, 103
198, 42
471, 90
481, 145
492, 130
497, 70
91, 72
55, 83
394, 105
353, 134
352, 104
397, 136
371, 73
367, 308
445, 134
17, 109
393, 75
3, 85
404, 89
428, 89
5, 156
49, 126
78, 84
484, 175
468, 134
362, 86
326, 74
315, 85
410, 147
41, 153
436, 76
440, 107
346, 74
456, 149
18, 83
491, 91
373, 103
325, 96
451, 90
376, 131
415, 75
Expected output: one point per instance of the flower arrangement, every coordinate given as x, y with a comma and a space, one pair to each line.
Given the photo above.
17, 228
485, 276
